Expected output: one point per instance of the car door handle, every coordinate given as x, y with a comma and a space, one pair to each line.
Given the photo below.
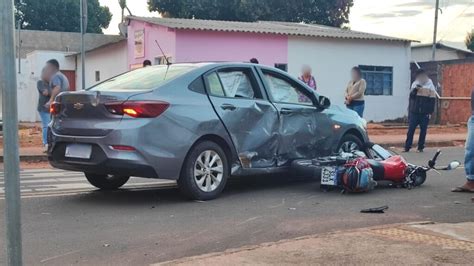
286, 111
228, 106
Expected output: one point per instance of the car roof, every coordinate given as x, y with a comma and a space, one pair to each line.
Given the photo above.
210, 65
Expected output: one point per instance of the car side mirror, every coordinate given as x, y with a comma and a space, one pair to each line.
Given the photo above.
323, 102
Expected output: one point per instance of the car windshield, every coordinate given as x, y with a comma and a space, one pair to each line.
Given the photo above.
143, 79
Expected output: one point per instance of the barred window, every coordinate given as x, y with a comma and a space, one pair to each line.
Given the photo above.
379, 80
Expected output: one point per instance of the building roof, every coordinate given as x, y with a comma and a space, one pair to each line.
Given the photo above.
99, 47
443, 46
32, 40
267, 27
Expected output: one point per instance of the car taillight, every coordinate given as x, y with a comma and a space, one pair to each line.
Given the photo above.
55, 108
122, 148
138, 109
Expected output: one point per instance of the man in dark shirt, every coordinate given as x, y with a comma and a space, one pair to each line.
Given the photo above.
469, 154
421, 107
44, 96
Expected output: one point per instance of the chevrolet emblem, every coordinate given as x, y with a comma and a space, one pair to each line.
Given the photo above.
78, 106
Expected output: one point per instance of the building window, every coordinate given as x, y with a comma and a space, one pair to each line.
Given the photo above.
161, 60
97, 76
379, 80
283, 67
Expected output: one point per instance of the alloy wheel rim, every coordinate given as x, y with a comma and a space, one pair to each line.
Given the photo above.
349, 146
208, 171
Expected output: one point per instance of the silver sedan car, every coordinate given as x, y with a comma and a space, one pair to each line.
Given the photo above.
198, 124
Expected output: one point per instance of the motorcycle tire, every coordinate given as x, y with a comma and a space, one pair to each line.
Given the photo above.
420, 179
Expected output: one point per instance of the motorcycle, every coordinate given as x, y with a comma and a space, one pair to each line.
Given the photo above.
385, 165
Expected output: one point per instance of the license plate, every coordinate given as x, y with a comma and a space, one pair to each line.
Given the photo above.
78, 151
329, 176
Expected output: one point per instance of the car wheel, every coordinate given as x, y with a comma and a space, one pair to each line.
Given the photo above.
350, 143
107, 182
205, 172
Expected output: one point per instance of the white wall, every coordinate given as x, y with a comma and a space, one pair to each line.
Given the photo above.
30, 73
110, 60
424, 54
332, 60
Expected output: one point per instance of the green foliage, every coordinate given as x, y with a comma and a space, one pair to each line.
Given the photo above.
61, 15
326, 12
470, 41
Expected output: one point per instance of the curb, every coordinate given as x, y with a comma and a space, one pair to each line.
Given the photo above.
429, 144
31, 158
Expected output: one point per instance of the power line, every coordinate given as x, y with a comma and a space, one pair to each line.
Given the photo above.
456, 18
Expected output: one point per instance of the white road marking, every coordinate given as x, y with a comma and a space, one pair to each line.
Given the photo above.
53, 182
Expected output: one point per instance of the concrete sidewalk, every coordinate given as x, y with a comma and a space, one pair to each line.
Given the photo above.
29, 154
432, 140
422, 244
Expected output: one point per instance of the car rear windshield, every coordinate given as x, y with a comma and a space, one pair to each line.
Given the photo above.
143, 79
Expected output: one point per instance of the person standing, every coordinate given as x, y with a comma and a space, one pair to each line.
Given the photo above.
421, 107
44, 95
308, 78
354, 96
58, 81
469, 153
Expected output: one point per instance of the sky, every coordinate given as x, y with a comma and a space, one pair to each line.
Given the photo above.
411, 19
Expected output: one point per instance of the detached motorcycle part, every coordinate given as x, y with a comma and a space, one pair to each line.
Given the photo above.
375, 210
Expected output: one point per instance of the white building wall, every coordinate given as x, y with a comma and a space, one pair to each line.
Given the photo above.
424, 54
110, 61
28, 77
332, 60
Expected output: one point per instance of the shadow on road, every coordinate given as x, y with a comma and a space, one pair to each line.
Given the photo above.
241, 187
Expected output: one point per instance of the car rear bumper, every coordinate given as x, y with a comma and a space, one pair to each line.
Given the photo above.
101, 163
147, 160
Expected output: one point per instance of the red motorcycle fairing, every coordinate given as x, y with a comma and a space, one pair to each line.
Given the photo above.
391, 169
395, 168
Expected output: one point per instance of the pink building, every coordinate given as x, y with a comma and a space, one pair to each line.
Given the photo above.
330, 51
182, 43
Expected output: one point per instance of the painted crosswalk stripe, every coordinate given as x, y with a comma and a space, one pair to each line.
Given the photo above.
52, 182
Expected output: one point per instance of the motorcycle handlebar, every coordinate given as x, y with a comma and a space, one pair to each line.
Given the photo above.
432, 162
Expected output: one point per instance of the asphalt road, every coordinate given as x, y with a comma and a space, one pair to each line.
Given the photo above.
65, 221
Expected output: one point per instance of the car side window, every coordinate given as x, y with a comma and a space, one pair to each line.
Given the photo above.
233, 83
238, 83
214, 84
283, 91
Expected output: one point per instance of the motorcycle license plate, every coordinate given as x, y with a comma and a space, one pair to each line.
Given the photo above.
329, 176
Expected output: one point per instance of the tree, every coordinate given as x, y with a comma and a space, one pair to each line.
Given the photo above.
470, 41
326, 12
61, 15
123, 6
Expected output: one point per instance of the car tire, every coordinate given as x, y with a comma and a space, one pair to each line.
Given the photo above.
205, 172
106, 182
350, 143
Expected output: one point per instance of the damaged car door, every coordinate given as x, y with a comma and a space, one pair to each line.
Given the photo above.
250, 119
303, 128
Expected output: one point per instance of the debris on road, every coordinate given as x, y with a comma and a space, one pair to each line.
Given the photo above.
375, 210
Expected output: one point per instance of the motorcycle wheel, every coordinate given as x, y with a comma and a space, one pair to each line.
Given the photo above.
420, 179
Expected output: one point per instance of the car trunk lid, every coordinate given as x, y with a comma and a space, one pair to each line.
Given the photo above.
85, 113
